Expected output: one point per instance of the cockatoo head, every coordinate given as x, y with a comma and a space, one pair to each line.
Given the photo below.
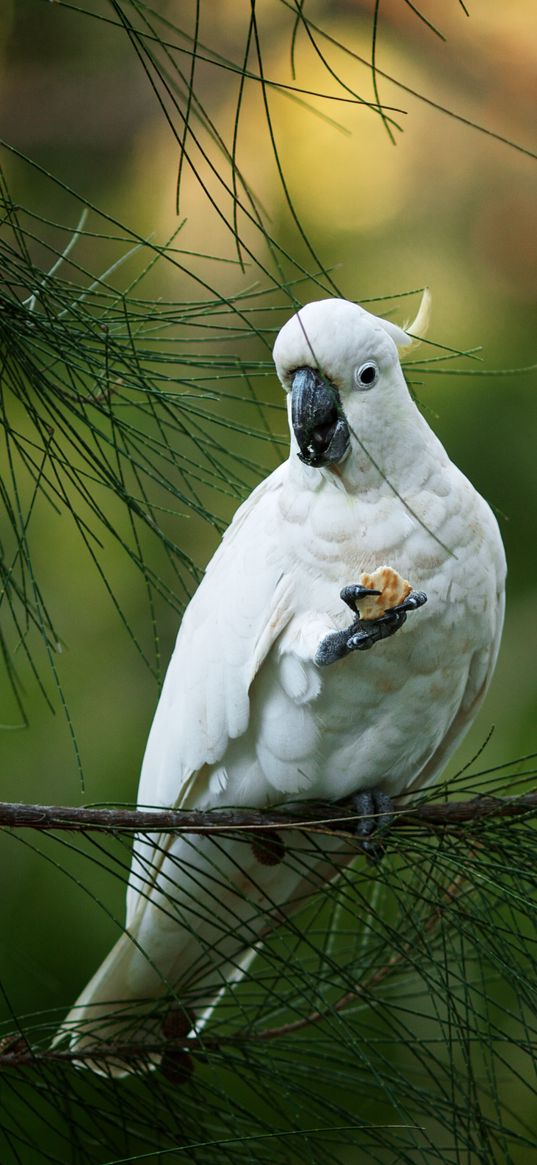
340, 366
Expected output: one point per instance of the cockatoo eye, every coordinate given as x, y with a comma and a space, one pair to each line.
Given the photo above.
366, 375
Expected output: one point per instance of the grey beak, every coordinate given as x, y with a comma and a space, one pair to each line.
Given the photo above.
318, 420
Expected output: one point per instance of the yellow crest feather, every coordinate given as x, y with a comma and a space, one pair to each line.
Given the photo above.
419, 327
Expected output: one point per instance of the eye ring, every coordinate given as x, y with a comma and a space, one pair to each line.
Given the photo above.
366, 376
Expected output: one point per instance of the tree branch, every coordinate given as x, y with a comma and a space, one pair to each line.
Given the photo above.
16, 1051
311, 817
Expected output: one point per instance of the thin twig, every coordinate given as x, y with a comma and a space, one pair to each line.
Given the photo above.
16, 1052
378, 976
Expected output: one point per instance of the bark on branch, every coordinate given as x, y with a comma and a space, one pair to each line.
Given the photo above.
311, 817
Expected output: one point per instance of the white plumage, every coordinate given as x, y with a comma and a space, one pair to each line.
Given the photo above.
248, 718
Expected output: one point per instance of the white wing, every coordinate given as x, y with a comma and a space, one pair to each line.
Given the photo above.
480, 672
243, 603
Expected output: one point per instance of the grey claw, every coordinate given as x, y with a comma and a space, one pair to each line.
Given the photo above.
415, 599
363, 634
374, 630
376, 815
360, 642
353, 593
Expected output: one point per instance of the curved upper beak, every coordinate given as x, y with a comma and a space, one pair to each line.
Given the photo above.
318, 420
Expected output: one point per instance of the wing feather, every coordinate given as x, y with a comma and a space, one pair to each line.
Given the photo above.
242, 605
480, 672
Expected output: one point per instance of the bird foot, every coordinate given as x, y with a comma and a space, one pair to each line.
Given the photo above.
376, 813
364, 633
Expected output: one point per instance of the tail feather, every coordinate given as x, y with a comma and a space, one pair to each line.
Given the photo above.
186, 945
107, 1015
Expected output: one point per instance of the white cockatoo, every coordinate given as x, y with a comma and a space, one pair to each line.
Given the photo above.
270, 696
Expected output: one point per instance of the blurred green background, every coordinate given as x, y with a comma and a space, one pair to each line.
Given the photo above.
445, 206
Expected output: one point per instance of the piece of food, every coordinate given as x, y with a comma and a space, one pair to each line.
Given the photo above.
393, 590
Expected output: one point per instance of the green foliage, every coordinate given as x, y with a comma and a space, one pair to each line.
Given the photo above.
393, 1018
394, 1014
